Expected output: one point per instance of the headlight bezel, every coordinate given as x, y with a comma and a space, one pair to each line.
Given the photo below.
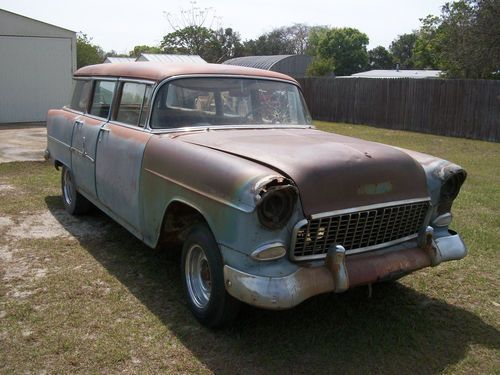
276, 205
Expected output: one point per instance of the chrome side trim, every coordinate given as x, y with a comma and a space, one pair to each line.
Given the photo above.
369, 207
59, 141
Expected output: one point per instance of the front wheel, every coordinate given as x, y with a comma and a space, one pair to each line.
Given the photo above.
203, 279
74, 202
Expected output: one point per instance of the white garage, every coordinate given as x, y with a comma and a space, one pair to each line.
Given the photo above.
37, 61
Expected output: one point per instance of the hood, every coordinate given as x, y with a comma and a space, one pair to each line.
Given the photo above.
331, 171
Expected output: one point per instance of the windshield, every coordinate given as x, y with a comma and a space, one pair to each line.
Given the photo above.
228, 101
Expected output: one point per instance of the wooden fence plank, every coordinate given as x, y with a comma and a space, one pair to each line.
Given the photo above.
459, 108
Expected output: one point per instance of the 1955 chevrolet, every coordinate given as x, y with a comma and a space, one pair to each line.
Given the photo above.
224, 161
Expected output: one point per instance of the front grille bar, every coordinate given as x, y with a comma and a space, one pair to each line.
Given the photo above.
359, 229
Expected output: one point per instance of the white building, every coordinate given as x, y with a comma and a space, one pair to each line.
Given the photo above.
192, 59
400, 73
37, 61
117, 60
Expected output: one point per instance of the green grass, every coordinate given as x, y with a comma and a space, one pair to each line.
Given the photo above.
101, 302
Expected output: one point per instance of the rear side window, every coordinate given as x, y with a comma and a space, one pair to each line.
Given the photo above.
134, 103
102, 98
81, 95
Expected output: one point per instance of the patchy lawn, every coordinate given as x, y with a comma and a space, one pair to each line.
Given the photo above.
83, 295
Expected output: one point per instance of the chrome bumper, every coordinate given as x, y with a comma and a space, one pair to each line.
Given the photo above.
339, 273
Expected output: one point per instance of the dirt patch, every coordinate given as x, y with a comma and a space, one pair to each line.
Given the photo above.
57, 224
5, 188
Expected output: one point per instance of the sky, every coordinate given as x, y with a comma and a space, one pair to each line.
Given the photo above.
121, 25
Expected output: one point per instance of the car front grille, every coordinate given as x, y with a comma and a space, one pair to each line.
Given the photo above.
359, 230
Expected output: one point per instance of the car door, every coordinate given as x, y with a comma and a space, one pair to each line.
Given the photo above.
85, 134
120, 148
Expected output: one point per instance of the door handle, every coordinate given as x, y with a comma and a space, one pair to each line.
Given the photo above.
79, 123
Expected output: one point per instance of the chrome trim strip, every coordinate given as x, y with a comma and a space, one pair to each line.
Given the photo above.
303, 222
355, 251
226, 127
207, 75
136, 80
59, 141
369, 207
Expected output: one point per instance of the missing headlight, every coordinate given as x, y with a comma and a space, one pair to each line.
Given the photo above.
276, 204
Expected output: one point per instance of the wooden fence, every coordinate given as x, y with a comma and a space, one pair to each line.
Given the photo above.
459, 108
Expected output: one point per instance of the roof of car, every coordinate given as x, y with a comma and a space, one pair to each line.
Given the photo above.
158, 71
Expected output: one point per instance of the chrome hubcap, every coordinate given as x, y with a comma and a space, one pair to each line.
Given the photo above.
198, 278
67, 187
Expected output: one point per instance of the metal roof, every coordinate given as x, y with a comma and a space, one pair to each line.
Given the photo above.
192, 59
377, 73
114, 60
259, 62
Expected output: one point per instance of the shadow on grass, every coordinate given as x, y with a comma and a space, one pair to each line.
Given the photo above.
397, 331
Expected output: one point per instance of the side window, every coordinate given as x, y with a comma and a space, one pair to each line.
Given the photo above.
81, 94
134, 103
102, 98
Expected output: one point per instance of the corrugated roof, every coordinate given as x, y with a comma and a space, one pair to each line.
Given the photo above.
114, 60
377, 73
191, 59
259, 62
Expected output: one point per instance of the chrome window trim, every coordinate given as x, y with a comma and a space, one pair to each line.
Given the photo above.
226, 127
302, 222
136, 80
207, 75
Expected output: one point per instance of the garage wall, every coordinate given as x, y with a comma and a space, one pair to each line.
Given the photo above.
35, 75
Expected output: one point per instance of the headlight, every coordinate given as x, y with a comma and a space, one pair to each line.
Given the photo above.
276, 206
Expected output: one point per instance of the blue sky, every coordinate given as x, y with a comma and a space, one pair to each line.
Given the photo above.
120, 25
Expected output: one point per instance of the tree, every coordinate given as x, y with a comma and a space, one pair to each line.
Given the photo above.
380, 58
86, 52
346, 47
427, 51
193, 40
402, 50
196, 33
470, 38
316, 33
274, 42
136, 52
464, 41
225, 44
320, 67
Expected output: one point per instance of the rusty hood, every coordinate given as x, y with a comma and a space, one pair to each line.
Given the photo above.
331, 171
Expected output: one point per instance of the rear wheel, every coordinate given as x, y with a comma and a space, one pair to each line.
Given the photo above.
203, 279
74, 202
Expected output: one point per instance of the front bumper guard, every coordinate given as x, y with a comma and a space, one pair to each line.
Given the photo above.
340, 272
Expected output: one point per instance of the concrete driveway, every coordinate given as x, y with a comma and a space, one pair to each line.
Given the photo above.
22, 143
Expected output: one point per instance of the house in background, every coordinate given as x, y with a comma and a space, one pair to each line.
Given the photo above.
292, 65
37, 61
398, 73
114, 60
192, 59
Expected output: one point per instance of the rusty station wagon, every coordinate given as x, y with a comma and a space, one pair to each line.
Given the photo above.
225, 161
